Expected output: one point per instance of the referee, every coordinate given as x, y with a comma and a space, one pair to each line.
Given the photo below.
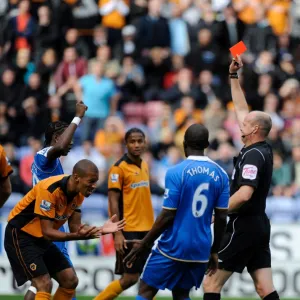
246, 241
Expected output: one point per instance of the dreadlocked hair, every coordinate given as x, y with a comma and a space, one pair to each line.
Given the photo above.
57, 127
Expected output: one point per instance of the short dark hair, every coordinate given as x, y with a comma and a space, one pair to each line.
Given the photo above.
196, 137
134, 130
57, 127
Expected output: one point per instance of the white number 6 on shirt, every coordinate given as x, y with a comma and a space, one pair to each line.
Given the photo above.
198, 197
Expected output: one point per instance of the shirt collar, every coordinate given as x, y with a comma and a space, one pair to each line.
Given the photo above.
198, 158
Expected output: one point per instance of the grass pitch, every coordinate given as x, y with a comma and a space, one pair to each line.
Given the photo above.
6, 297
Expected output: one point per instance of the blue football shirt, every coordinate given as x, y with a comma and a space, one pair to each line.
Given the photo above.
194, 188
43, 168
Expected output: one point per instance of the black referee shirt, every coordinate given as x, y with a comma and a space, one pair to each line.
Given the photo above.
253, 167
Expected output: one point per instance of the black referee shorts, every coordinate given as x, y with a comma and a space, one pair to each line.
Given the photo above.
246, 244
138, 265
31, 257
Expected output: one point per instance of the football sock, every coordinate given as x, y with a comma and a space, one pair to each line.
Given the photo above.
212, 296
273, 296
42, 296
111, 292
138, 297
63, 294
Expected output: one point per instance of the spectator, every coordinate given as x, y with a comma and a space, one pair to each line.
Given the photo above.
296, 165
225, 154
278, 15
180, 44
69, 70
86, 151
282, 173
9, 88
231, 29
26, 162
110, 136
24, 66
99, 39
31, 121
271, 106
111, 66
205, 55
100, 95
130, 81
85, 14
72, 40
46, 68
153, 30
21, 28
259, 36
46, 34
113, 14
127, 45
34, 89
184, 87
187, 111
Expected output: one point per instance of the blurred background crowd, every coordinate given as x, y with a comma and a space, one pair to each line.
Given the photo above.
160, 65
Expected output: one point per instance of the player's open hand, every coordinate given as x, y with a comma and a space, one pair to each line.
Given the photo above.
138, 247
213, 264
88, 232
110, 226
81, 108
236, 64
119, 240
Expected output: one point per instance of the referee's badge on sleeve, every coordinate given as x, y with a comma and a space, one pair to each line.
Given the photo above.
249, 172
114, 177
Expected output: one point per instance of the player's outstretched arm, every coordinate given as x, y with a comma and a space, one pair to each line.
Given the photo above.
238, 97
66, 137
83, 233
165, 219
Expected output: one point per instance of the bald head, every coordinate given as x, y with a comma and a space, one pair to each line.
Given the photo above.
263, 120
85, 167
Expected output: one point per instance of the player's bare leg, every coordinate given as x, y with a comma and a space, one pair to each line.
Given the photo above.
43, 284
146, 292
30, 295
128, 280
180, 294
263, 282
212, 285
68, 282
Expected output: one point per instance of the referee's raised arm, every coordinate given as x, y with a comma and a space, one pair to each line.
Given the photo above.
238, 97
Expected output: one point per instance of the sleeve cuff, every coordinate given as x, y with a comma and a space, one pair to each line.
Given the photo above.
169, 208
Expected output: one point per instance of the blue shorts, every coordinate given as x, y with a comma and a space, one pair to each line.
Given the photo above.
62, 246
162, 273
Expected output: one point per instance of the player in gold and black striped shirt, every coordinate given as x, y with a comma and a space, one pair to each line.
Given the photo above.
129, 198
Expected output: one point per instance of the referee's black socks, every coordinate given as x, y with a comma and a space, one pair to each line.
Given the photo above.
213, 296
273, 296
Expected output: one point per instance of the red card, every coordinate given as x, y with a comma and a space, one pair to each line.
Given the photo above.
238, 49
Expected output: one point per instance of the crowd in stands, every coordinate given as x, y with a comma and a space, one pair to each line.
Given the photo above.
160, 65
